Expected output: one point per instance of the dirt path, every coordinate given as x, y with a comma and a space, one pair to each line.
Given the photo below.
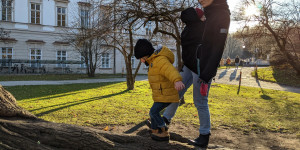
221, 138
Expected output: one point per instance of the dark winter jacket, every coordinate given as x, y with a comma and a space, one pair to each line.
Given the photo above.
191, 37
237, 60
214, 38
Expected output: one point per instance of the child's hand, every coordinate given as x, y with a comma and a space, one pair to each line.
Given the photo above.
203, 18
179, 85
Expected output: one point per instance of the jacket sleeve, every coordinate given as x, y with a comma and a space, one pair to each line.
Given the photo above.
168, 70
214, 39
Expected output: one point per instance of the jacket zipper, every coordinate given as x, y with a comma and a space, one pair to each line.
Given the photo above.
160, 89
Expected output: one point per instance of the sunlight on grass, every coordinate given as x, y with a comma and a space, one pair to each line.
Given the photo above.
111, 104
282, 75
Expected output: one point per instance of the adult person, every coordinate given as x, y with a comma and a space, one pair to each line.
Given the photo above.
228, 62
206, 41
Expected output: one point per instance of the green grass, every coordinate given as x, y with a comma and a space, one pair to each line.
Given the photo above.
224, 67
254, 109
283, 75
55, 77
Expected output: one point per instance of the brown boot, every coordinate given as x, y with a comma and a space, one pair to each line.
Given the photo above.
151, 131
161, 135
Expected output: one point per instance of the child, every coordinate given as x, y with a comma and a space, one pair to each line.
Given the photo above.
165, 82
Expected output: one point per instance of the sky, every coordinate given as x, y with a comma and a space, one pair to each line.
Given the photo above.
233, 25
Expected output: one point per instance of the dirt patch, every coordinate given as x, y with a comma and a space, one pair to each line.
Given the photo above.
221, 138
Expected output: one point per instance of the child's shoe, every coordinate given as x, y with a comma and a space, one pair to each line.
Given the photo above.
161, 135
153, 131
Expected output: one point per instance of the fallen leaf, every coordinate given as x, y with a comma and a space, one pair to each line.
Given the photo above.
106, 128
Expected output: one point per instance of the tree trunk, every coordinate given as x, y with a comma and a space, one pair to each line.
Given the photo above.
92, 73
129, 77
9, 107
296, 66
19, 129
293, 62
290, 59
179, 62
137, 70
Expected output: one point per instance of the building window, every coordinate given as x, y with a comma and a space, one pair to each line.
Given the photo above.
133, 62
6, 10
145, 66
35, 55
84, 18
169, 2
35, 13
105, 60
172, 2
61, 56
61, 16
83, 65
148, 28
6, 54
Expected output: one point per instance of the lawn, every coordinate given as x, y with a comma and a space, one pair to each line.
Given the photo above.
282, 74
224, 67
253, 109
22, 77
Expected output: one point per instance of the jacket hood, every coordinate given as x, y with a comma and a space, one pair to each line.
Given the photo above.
162, 51
189, 15
216, 5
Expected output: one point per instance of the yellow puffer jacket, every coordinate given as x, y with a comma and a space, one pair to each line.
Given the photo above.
162, 75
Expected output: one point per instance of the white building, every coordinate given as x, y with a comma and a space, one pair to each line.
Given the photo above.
35, 28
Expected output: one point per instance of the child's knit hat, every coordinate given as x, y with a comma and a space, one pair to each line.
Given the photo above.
143, 48
200, 12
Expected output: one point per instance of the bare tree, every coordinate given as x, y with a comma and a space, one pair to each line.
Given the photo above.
233, 47
130, 16
166, 16
125, 27
88, 32
278, 20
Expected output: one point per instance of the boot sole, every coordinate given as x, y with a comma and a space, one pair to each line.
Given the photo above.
195, 144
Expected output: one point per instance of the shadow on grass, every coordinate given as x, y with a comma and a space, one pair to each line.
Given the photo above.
286, 76
22, 92
233, 75
222, 74
69, 104
264, 96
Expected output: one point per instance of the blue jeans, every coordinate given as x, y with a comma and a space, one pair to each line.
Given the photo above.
200, 102
156, 120
237, 65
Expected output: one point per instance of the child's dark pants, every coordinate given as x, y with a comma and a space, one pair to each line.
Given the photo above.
156, 119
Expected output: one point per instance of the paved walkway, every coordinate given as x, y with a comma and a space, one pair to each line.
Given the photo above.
232, 76
224, 76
